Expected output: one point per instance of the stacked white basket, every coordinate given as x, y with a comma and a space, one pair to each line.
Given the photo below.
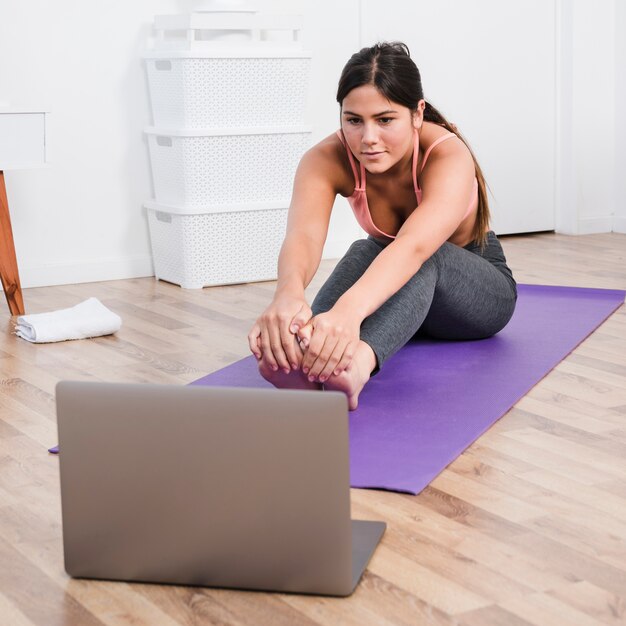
228, 101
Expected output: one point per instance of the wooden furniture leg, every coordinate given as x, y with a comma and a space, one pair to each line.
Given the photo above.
8, 261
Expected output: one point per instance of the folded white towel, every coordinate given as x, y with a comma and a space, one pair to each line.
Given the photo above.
87, 319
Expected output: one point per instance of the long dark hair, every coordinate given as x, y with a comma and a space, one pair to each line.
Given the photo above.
389, 67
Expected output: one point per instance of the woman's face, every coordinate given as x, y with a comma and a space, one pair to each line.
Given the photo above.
379, 132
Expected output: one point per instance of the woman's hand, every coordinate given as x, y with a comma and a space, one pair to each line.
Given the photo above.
272, 336
331, 340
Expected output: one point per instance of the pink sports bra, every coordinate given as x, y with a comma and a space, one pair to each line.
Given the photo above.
358, 199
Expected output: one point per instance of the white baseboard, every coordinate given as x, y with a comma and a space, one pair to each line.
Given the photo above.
69, 273
619, 223
591, 225
140, 266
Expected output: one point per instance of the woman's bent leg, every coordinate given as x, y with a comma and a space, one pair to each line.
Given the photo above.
458, 293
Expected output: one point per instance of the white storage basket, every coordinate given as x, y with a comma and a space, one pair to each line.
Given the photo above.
188, 91
216, 248
214, 167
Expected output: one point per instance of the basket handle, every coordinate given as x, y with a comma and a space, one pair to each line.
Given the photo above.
163, 217
163, 65
165, 142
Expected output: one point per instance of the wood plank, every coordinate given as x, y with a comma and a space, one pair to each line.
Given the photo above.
542, 609
609, 608
40, 598
11, 614
610, 463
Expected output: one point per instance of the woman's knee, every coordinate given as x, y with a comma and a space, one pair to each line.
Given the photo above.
363, 247
505, 315
446, 253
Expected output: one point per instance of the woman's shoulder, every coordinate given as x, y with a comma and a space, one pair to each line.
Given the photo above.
431, 133
434, 144
329, 157
329, 147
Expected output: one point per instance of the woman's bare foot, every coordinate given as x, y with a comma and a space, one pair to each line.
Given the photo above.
295, 379
352, 380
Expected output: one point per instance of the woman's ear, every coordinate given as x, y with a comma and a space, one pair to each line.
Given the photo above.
418, 115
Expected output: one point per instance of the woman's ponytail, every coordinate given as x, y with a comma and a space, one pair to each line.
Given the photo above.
479, 235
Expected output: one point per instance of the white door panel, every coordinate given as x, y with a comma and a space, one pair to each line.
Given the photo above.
489, 67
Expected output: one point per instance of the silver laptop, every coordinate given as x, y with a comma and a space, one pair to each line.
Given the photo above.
219, 487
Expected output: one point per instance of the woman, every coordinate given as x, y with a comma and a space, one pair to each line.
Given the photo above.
430, 265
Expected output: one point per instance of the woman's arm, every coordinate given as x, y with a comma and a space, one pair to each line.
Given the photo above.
314, 191
307, 224
447, 185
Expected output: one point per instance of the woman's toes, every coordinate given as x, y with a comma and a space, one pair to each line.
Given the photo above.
265, 370
295, 379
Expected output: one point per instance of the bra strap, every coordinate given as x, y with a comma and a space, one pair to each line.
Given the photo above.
432, 145
416, 148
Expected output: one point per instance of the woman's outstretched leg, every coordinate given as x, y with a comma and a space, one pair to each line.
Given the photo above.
349, 269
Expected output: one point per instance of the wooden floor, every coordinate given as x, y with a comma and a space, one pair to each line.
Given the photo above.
528, 526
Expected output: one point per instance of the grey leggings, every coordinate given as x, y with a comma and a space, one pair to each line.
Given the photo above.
458, 293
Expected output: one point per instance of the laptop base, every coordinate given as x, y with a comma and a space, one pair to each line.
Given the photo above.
365, 537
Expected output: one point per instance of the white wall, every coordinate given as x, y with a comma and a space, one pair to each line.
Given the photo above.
332, 42
81, 219
566, 209
619, 220
497, 89
591, 155
593, 115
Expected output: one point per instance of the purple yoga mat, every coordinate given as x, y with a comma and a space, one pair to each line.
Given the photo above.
434, 398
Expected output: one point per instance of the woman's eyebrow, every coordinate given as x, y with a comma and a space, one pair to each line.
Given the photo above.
375, 115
